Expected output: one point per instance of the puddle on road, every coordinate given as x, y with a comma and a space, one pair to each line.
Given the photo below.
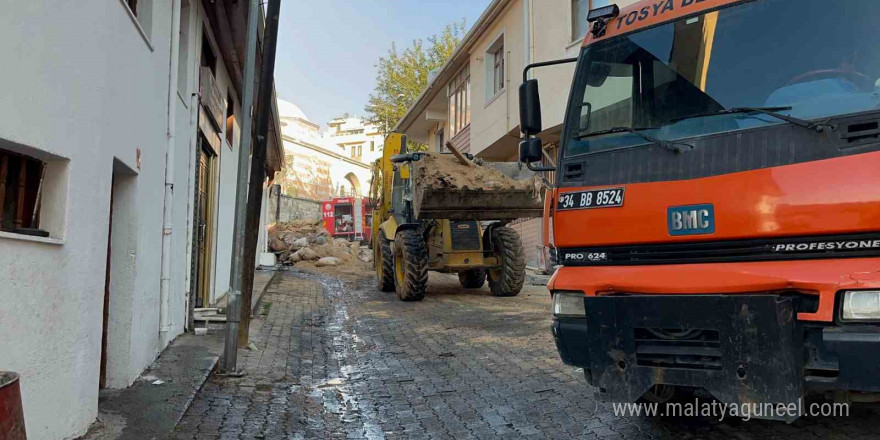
335, 394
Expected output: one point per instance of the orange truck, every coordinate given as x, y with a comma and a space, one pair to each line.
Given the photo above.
716, 210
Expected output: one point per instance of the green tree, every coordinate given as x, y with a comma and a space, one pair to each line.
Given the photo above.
403, 76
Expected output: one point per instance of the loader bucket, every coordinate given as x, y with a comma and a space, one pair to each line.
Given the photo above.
480, 203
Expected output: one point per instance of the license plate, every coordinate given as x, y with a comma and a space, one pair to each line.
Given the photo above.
597, 198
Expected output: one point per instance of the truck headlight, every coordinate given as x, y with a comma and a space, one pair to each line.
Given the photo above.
568, 304
861, 305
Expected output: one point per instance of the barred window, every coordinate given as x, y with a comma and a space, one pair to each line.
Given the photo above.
21, 179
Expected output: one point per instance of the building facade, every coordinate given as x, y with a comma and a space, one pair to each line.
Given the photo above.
472, 101
356, 138
324, 165
118, 159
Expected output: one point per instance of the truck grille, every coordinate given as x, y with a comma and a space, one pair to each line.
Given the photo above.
678, 348
797, 248
465, 235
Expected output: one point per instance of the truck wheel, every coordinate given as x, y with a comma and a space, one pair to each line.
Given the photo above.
508, 278
472, 279
410, 266
383, 259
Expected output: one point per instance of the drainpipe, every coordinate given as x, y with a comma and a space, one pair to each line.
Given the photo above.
167, 218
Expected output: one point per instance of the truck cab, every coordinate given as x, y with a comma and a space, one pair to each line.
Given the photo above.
716, 209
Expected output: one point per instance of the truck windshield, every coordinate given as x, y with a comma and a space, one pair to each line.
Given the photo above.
810, 59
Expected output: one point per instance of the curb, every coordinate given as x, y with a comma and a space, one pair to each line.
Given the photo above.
275, 275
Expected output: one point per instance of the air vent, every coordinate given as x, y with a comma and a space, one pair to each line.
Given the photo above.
861, 133
694, 349
572, 171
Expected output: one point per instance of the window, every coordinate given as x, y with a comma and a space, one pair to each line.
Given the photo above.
579, 24
495, 69
183, 50
21, 179
372, 146
230, 117
440, 141
459, 94
579, 11
208, 60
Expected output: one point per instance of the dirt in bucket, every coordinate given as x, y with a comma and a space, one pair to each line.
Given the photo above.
444, 171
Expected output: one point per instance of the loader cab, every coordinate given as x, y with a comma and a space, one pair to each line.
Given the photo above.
399, 189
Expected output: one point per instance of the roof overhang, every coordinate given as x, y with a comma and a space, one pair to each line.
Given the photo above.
228, 19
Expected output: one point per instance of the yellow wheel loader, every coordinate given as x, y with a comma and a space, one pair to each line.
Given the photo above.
444, 231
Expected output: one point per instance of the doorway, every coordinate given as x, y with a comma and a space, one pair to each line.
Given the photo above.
119, 276
102, 381
203, 225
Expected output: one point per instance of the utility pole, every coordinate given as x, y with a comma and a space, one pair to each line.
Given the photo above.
258, 168
233, 306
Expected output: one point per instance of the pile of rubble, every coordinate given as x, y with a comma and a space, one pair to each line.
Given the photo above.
306, 244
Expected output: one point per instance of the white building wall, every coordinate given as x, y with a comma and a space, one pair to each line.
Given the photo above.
352, 131
85, 86
306, 158
495, 115
90, 98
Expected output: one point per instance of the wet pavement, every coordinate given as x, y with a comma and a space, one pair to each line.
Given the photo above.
342, 360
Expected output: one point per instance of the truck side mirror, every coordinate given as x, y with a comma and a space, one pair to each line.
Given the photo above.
530, 150
529, 108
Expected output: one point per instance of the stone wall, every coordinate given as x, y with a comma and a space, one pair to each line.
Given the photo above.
292, 208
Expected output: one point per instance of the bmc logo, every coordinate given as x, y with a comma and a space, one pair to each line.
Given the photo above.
691, 220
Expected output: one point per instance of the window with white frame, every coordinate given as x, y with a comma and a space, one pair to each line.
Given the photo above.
459, 94
579, 11
33, 191
495, 68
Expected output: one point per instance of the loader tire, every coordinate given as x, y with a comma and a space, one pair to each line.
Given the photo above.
472, 279
509, 277
383, 258
410, 266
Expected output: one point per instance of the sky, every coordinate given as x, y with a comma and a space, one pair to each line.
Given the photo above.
327, 49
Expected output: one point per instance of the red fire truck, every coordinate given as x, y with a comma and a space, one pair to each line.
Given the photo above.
349, 217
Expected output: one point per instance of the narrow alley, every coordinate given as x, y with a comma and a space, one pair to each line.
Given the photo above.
338, 359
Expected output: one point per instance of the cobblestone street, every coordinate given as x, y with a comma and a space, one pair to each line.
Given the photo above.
342, 360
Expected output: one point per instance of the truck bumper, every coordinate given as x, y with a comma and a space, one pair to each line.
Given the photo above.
740, 348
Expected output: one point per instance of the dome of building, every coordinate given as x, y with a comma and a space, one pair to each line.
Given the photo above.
290, 110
